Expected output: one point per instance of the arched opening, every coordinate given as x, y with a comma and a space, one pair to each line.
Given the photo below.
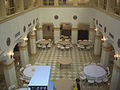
83, 32
65, 30
48, 31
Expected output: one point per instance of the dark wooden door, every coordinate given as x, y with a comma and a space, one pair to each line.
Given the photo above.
83, 34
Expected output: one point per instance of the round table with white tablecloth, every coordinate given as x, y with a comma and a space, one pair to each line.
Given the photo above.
29, 71
94, 71
22, 89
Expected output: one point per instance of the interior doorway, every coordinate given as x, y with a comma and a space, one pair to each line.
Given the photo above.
83, 34
48, 31
65, 30
83, 31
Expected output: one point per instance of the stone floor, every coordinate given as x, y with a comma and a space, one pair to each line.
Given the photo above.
50, 57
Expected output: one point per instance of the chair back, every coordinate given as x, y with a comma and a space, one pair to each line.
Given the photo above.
12, 87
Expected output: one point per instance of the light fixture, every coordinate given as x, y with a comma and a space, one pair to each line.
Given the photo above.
25, 38
117, 56
103, 39
96, 29
34, 29
11, 54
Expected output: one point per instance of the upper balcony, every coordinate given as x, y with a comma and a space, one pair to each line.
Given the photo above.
12, 8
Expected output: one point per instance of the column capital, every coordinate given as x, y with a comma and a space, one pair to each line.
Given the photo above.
23, 45
32, 34
98, 36
106, 46
38, 29
92, 29
8, 63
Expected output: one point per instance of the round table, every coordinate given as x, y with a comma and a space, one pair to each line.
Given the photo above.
85, 43
94, 71
29, 71
65, 61
45, 42
22, 89
63, 84
64, 43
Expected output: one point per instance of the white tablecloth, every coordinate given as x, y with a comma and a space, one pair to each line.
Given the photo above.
29, 71
94, 71
22, 89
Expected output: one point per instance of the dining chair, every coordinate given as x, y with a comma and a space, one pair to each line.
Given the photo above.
25, 85
58, 46
62, 47
82, 47
85, 40
98, 81
88, 47
67, 47
28, 65
43, 46
12, 87
91, 81
39, 46
78, 45
105, 79
21, 69
49, 45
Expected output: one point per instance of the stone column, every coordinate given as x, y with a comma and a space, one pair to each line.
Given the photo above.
75, 2
21, 5
38, 32
97, 44
24, 53
92, 32
115, 80
41, 2
106, 50
9, 72
32, 38
3, 12
56, 3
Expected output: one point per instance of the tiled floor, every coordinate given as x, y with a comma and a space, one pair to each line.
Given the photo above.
79, 57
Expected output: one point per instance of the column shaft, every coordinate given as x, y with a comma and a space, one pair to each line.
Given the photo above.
97, 45
105, 57
3, 11
32, 44
24, 54
115, 80
56, 3
10, 73
75, 2
92, 34
38, 34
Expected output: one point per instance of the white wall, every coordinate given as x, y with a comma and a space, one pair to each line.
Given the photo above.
112, 25
65, 15
11, 27
46, 15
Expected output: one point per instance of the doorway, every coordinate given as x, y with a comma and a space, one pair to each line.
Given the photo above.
65, 30
48, 31
83, 31
83, 34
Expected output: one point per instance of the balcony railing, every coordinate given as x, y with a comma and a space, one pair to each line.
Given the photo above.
60, 3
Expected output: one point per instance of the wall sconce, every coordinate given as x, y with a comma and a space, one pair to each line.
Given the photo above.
96, 29
25, 38
117, 56
11, 54
103, 39
34, 29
